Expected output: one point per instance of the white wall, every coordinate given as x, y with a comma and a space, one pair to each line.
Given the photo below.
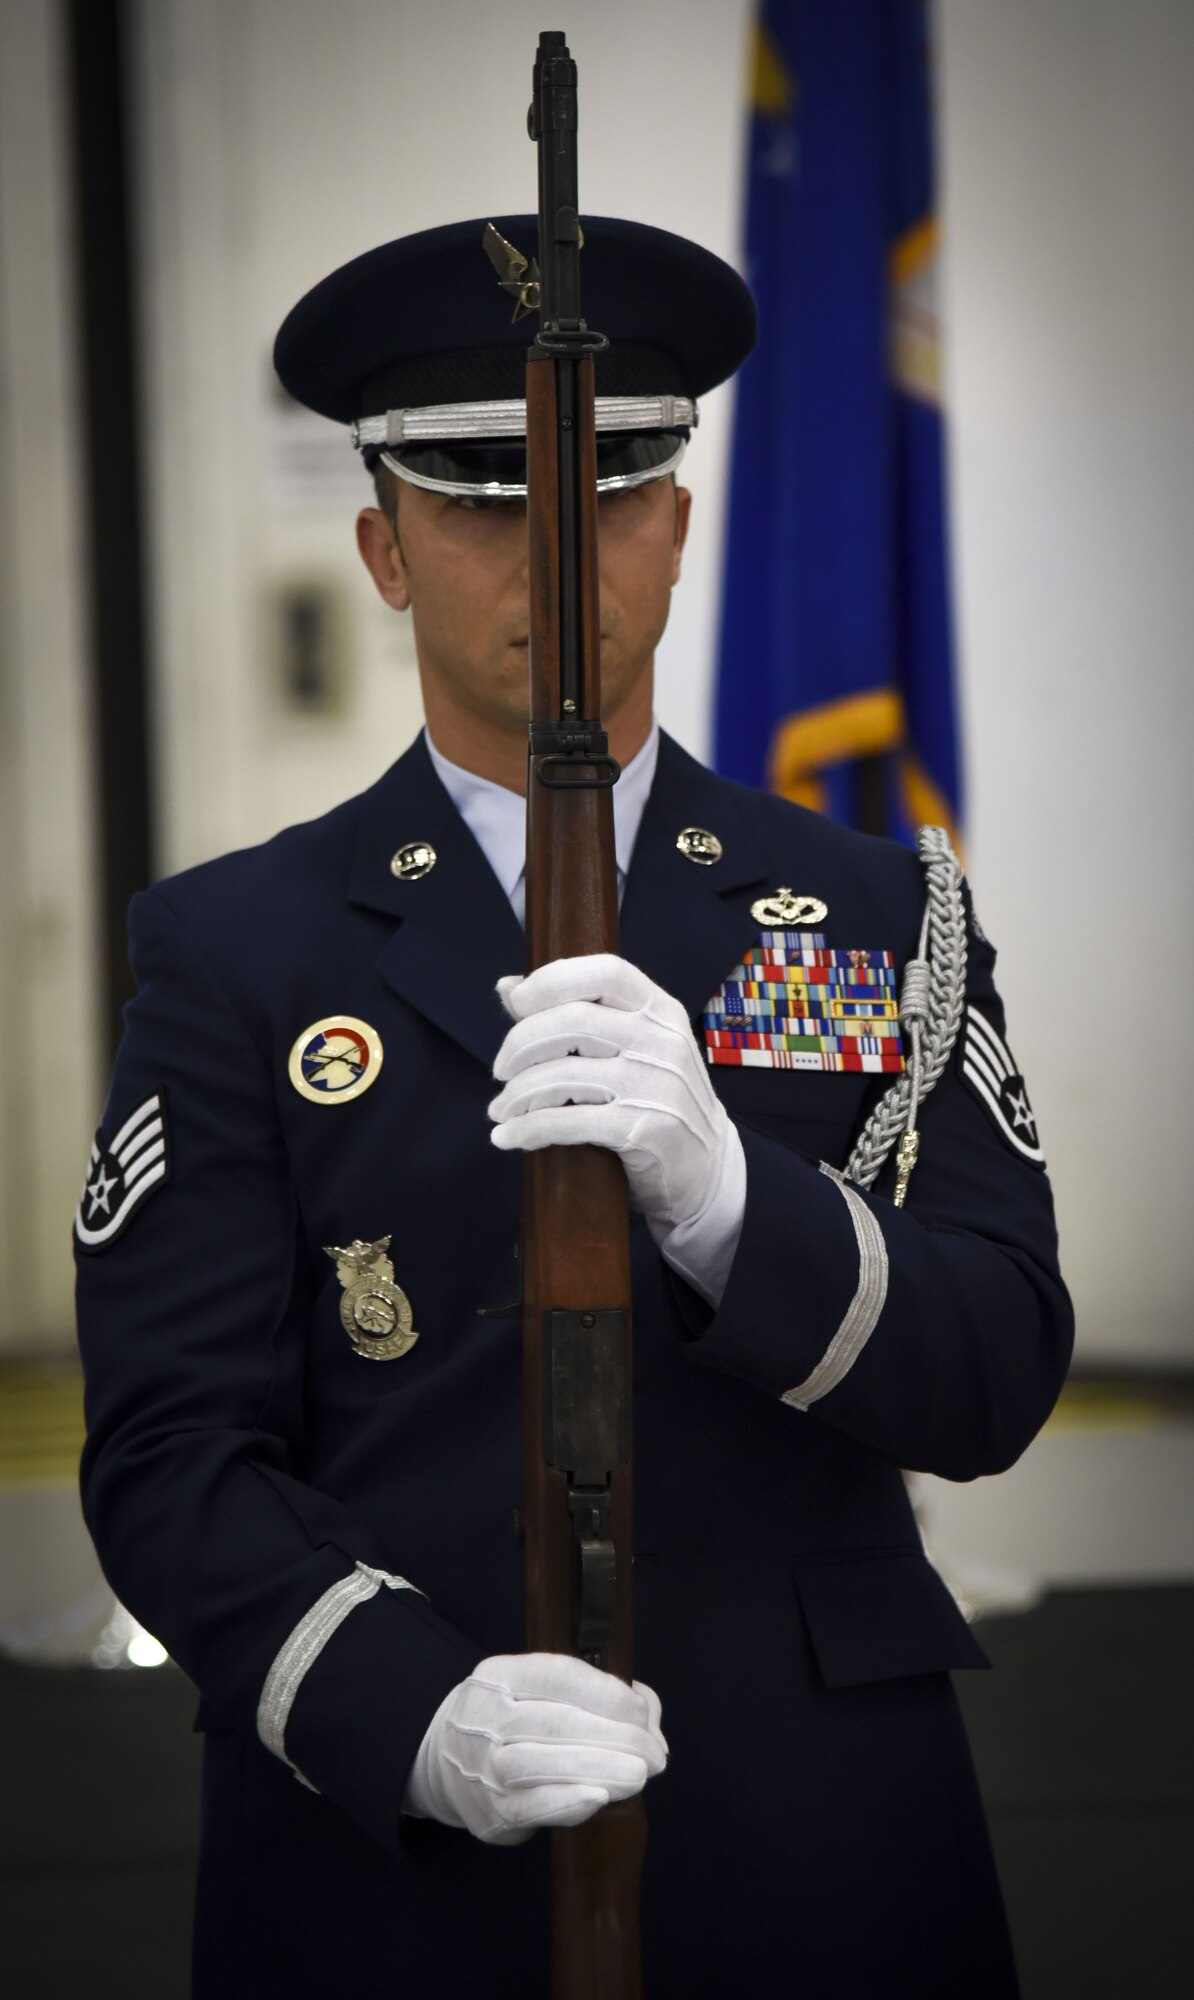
1069, 156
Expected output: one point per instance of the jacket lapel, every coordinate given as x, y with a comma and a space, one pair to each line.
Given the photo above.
683, 923
455, 933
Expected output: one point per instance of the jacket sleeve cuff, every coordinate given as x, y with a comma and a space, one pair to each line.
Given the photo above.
807, 1284
350, 1694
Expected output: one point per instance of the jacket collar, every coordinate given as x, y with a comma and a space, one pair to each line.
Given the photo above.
456, 934
686, 924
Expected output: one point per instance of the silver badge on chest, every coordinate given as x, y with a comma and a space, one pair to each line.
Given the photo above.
781, 910
374, 1312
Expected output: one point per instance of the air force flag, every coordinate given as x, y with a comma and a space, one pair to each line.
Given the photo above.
121, 1173
836, 673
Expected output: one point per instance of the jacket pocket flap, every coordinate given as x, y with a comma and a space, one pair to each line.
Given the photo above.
877, 1618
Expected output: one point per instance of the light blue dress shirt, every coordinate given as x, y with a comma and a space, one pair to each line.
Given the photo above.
497, 817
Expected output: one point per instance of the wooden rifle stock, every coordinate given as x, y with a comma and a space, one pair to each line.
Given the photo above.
576, 1257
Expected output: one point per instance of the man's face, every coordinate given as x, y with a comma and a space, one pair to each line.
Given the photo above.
461, 568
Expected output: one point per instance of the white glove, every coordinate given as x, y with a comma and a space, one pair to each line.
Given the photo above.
530, 1740
601, 1056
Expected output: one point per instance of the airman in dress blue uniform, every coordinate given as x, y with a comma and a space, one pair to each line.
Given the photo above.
304, 1449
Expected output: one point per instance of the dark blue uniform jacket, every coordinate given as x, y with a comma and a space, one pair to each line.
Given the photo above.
817, 1830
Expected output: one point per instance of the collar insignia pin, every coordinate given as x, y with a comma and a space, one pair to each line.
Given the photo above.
697, 844
374, 1312
416, 859
781, 911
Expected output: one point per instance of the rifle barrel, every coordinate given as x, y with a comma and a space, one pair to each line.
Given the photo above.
576, 1259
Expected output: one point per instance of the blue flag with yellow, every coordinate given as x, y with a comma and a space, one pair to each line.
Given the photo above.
836, 667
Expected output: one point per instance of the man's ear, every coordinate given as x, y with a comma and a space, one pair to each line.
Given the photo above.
683, 510
382, 557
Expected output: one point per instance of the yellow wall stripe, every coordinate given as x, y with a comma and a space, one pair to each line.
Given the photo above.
41, 1424
1121, 1404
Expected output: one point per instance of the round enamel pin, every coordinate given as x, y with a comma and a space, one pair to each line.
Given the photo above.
335, 1059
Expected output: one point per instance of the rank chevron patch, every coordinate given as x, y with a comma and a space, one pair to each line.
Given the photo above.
989, 1067
121, 1173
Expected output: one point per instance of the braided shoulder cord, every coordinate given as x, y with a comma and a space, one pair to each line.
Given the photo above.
930, 1010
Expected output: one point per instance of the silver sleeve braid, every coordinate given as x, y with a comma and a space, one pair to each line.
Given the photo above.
944, 933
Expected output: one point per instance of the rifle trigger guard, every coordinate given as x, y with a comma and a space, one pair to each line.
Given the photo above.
595, 1569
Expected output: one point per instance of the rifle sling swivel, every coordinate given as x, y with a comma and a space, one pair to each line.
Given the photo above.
573, 755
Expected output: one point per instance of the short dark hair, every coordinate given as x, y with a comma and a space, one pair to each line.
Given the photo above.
386, 488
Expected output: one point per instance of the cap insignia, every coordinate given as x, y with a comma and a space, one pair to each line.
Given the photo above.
515, 274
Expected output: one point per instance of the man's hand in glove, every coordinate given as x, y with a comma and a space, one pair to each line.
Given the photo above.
601, 1056
531, 1740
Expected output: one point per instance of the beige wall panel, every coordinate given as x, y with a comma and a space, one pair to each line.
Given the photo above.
49, 1084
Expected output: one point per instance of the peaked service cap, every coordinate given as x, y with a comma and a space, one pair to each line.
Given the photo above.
414, 345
